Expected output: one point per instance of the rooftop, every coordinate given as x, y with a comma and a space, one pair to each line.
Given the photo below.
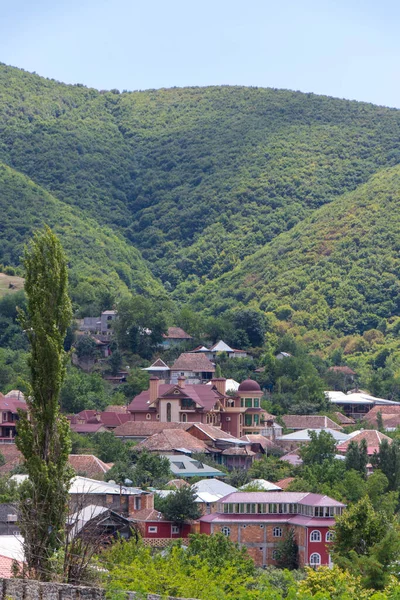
144, 429
371, 436
197, 363
169, 440
305, 498
176, 333
304, 435
309, 422
203, 395
185, 466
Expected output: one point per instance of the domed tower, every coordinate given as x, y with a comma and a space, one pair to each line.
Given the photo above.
243, 414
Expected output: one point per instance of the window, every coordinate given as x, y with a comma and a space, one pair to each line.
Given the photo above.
275, 554
169, 412
248, 402
174, 529
248, 420
277, 532
184, 418
157, 417
226, 531
256, 419
152, 529
256, 403
315, 536
148, 416
329, 536
138, 503
4, 417
315, 559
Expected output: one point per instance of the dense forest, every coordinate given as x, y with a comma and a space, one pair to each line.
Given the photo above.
213, 201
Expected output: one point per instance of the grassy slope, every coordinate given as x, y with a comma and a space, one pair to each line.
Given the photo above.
95, 252
7, 280
197, 178
339, 268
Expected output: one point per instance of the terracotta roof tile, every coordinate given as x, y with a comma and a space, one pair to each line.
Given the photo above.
371, 436
204, 395
6, 564
309, 422
176, 333
284, 483
172, 439
117, 408
147, 428
343, 419
12, 457
90, 465
198, 363
258, 439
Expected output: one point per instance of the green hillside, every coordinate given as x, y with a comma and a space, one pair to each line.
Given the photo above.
100, 261
195, 178
338, 270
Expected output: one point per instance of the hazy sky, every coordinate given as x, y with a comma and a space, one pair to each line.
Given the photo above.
343, 48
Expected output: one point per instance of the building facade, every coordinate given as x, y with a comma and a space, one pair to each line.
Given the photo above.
261, 520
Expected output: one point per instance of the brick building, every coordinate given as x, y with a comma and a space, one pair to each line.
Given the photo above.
260, 520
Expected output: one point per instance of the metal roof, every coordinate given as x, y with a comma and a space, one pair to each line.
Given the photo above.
280, 497
304, 435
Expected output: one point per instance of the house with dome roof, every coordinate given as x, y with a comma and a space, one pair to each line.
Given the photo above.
208, 404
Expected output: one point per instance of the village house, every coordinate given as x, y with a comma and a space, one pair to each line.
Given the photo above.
372, 437
175, 336
294, 440
356, 404
194, 368
299, 422
259, 521
218, 349
9, 405
194, 403
390, 416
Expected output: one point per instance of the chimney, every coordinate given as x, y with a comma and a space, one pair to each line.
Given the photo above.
154, 383
181, 381
220, 384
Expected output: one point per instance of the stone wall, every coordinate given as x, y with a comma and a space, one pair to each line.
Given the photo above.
22, 589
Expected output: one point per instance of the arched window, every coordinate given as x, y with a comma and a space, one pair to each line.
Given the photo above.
315, 536
184, 418
226, 531
315, 559
329, 536
169, 412
148, 416
277, 532
207, 419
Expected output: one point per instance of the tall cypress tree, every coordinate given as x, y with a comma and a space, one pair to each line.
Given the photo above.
43, 433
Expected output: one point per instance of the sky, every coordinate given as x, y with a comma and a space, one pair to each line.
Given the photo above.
343, 48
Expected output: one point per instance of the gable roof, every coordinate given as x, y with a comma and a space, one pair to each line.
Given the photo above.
213, 433
284, 483
203, 395
117, 408
221, 347
215, 487
256, 438
343, 420
371, 436
12, 401
176, 333
198, 363
309, 422
88, 464
144, 429
304, 436
170, 440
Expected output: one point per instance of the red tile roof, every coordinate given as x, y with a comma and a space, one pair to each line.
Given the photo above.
204, 395
87, 427
198, 363
176, 333
258, 439
343, 420
371, 436
12, 457
309, 422
284, 483
117, 408
89, 465
214, 433
172, 439
6, 564
146, 428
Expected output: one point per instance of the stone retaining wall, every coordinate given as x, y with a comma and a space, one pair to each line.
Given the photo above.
27, 589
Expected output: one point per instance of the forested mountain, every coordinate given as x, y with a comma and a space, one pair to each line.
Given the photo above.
196, 178
228, 195
100, 261
338, 269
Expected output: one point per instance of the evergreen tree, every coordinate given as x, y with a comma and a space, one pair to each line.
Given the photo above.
288, 552
43, 433
357, 457
388, 461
